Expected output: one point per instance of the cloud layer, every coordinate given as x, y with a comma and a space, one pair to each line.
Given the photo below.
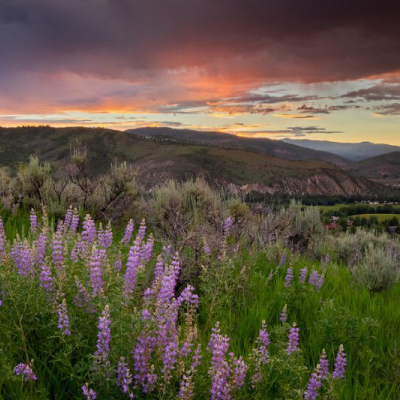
191, 46
196, 57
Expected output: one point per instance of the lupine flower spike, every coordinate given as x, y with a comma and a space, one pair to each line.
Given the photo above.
89, 393
293, 344
25, 371
340, 364
289, 277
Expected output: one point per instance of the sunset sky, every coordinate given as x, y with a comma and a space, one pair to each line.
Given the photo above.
311, 69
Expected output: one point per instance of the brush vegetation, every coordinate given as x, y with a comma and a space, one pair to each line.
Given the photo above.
78, 294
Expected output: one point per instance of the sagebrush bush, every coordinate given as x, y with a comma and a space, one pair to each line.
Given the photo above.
378, 268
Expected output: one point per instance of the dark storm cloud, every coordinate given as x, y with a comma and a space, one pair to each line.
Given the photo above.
380, 92
324, 110
245, 40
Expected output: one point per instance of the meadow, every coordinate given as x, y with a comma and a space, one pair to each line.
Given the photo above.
205, 299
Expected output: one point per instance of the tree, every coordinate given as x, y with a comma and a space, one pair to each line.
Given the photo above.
32, 177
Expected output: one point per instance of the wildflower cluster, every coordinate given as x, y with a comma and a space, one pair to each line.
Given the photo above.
88, 280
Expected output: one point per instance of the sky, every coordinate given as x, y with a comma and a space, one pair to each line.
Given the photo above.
310, 69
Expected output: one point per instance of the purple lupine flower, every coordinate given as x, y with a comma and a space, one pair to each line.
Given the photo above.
313, 277
169, 357
147, 249
188, 297
33, 222
264, 342
68, 217
131, 270
196, 357
60, 226
340, 364
100, 236
175, 264
145, 375
228, 224
168, 283
159, 269
323, 365
103, 339
96, 273
289, 277
76, 249
58, 251
239, 371
124, 377
303, 275
141, 233
282, 261
22, 257
83, 298
167, 250
2, 238
261, 353
293, 344
313, 385
185, 387
26, 371
40, 244
105, 237
320, 281
128, 232
206, 249
74, 222
219, 370
327, 260
89, 230
46, 277
89, 393
118, 265
63, 319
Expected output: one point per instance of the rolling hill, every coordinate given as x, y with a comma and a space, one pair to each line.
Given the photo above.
384, 169
160, 160
351, 151
274, 148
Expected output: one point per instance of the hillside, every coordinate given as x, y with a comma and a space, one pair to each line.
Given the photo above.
274, 148
384, 169
351, 151
158, 161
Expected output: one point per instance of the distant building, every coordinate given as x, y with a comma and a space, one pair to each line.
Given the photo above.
334, 219
392, 229
332, 226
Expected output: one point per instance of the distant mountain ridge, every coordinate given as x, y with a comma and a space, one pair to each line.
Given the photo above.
351, 151
275, 148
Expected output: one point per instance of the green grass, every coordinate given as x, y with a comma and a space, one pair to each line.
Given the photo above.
380, 217
337, 207
340, 313
237, 292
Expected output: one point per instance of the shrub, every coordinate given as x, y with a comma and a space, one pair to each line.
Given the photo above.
378, 269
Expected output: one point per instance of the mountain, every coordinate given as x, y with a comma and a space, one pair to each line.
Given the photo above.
351, 151
274, 148
161, 160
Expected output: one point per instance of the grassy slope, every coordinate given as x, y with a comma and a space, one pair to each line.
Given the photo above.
340, 313
384, 166
274, 148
